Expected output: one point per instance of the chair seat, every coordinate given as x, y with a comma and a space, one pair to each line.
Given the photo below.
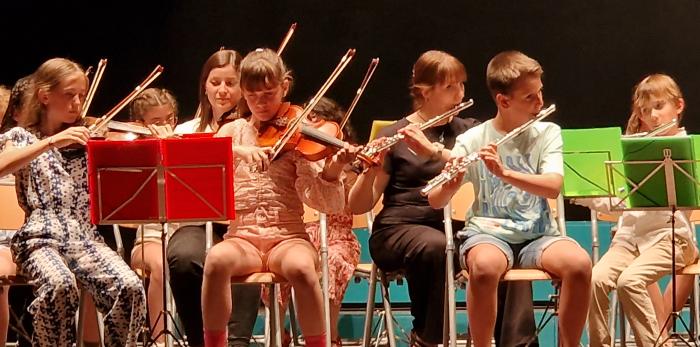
364, 268
692, 269
519, 275
142, 273
259, 277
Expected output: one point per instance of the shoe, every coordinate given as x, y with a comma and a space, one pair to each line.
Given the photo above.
418, 342
286, 338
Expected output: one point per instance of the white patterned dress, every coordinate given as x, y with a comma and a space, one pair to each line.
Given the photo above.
59, 250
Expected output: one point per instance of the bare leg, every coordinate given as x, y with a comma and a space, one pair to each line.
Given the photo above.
296, 261
569, 262
684, 286
152, 264
487, 264
231, 257
90, 330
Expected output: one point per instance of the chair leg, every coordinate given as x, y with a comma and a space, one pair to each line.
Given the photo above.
388, 315
293, 320
268, 328
275, 316
369, 308
695, 307
100, 328
612, 317
81, 318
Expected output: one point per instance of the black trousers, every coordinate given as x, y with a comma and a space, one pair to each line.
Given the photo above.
419, 250
186, 253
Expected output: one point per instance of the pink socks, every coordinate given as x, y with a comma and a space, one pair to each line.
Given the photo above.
215, 338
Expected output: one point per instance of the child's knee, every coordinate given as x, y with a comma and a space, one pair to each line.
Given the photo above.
485, 272
629, 283
580, 268
302, 273
217, 263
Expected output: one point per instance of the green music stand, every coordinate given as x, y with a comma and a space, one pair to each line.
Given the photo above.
585, 153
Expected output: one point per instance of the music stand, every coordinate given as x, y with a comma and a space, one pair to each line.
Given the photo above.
159, 181
584, 168
671, 168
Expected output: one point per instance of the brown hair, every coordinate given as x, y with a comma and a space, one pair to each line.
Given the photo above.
653, 86
152, 97
16, 106
433, 68
219, 59
48, 76
328, 109
4, 98
506, 68
263, 68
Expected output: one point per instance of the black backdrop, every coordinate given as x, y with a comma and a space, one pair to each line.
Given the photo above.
593, 51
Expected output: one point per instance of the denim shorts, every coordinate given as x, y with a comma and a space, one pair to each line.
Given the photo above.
529, 257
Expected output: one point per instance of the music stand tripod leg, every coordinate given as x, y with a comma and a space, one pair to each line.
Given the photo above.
165, 314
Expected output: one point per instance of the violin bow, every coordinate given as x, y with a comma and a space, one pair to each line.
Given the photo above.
286, 39
93, 86
129, 98
370, 71
294, 124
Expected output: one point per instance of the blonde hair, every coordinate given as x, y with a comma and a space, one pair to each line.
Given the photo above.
659, 86
263, 68
47, 77
152, 97
508, 67
433, 68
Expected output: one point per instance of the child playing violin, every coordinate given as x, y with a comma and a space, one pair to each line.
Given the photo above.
58, 248
268, 233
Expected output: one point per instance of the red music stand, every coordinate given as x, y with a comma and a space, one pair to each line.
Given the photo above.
159, 181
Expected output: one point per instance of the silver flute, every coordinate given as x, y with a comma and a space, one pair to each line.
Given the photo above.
371, 151
473, 157
658, 130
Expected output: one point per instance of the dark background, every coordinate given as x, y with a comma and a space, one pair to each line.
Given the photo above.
592, 51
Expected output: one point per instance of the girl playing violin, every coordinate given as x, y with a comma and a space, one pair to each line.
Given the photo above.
343, 247
219, 93
268, 233
58, 248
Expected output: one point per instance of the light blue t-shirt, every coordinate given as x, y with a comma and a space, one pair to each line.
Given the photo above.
500, 209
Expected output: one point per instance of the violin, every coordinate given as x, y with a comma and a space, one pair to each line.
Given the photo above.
310, 147
119, 131
97, 125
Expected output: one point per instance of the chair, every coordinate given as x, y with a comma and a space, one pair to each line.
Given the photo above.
273, 329
373, 274
557, 208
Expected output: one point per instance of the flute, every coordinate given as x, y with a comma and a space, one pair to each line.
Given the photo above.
372, 151
473, 157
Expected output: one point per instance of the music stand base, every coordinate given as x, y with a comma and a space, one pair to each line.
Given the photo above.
674, 335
